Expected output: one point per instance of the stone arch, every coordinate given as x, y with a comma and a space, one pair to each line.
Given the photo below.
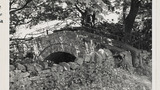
57, 47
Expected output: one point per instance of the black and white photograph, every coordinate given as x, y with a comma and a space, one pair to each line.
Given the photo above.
80, 44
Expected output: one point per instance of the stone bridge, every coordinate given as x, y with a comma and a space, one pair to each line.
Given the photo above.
73, 42
60, 41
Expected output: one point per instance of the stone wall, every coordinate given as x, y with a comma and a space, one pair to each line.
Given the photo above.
59, 41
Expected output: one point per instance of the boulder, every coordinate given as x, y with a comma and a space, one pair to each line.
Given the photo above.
21, 67
11, 68
102, 53
79, 61
98, 59
87, 57
65, 65
54, 68
38, 67
108, 53
127, 60
73, 65
30, 68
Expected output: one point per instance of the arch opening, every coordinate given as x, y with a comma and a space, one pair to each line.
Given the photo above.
58, 57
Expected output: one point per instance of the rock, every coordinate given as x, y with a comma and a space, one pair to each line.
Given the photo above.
65, 65
144, 54
102, 53
108, 53
79, 61
38, 67
127, 60
98, 59
15, 75
55, 75
87, 58
140, 87
17, 71
30, 67
25, 81
45, 64
21, 67
26, 74
93, 56
35, 78
11, 76
59, 68
73, 65
45, 71
11, 68
28, 60
54, 68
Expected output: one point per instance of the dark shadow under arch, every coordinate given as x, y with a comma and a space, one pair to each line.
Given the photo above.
55, 44
58, 57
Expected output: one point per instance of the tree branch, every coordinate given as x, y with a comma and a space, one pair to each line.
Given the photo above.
79, 9
11, 2
25, 39
28, 1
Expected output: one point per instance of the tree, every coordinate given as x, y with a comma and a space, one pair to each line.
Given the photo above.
31, 12
15, 8
129, 20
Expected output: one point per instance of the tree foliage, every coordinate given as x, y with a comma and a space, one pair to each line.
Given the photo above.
35, 11
135, 16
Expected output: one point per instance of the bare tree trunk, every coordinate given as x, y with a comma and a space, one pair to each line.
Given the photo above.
124, 14
129, 20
